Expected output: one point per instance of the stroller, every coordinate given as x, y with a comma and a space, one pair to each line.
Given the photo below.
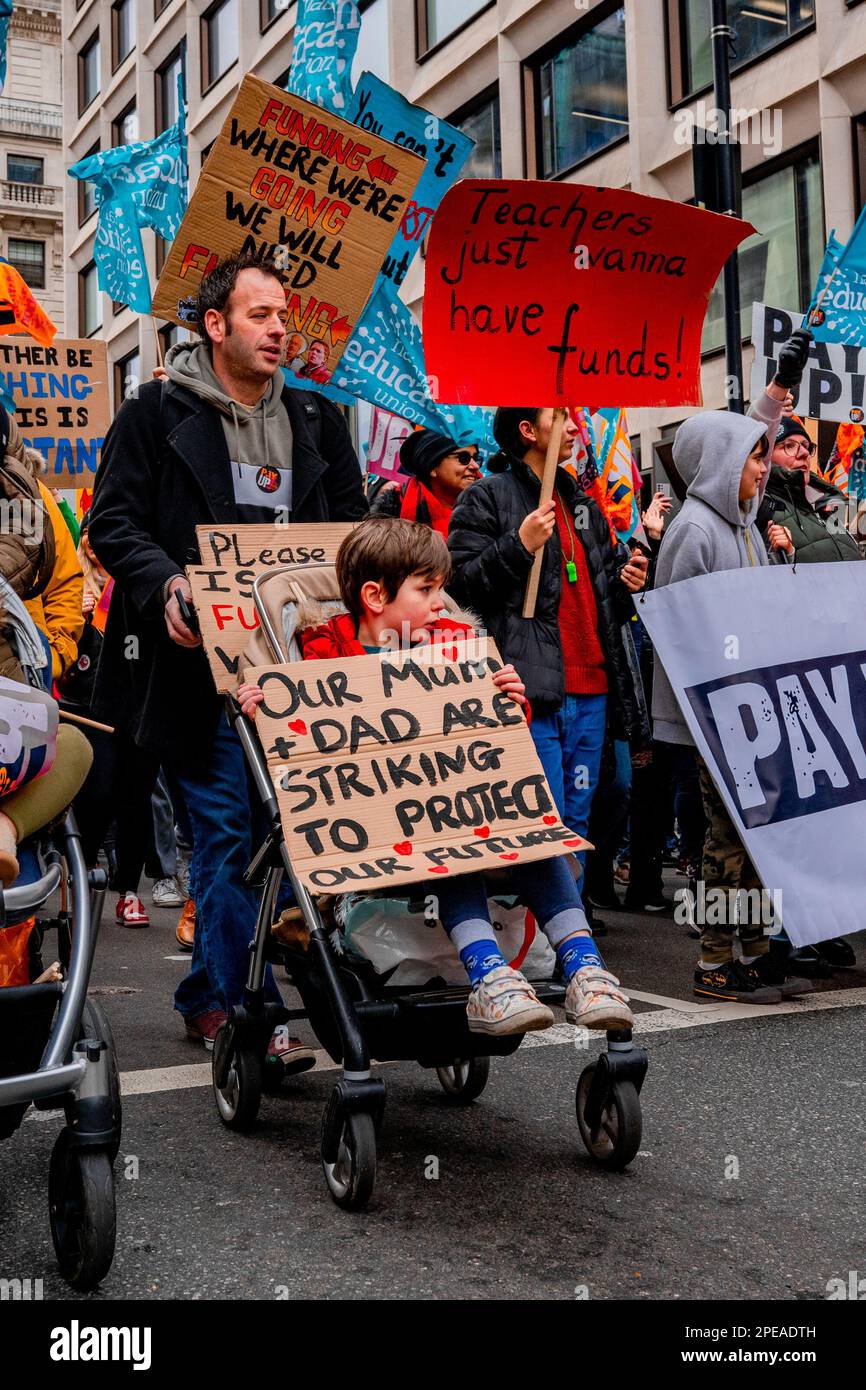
57, 1052
354, 1013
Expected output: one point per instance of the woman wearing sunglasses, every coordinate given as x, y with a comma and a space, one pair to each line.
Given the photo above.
812, 511
439, 470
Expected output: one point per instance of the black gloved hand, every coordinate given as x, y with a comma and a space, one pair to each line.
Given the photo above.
793, 356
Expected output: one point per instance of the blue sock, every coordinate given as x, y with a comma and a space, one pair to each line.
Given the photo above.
479, 958
576, 952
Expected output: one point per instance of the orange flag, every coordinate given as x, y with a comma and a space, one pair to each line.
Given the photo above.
19, 311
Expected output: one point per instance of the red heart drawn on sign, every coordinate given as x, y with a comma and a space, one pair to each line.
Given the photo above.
297, 726
482, 832
438, 869
508, 856
404, 847
450, 653
571, 842
550, 820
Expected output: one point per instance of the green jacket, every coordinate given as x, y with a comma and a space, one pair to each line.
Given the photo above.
817, 530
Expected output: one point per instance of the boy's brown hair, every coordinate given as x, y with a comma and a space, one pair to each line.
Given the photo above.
388, 551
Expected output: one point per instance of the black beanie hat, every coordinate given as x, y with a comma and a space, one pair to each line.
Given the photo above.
789, 426
422, 450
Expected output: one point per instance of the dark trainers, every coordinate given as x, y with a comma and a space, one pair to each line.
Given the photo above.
771, 972
736, 983
837, 953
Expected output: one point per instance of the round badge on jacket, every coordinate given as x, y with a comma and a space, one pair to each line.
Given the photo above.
268, 479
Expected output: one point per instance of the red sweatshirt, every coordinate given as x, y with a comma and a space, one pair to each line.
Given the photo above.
582, 654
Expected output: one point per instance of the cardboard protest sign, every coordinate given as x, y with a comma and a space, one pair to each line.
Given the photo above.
232, 558
404, 767
833, 382
324, 198
559, 292
781, 725
61, 401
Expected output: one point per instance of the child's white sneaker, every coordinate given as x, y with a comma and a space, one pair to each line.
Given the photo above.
505, 1002
594, 1000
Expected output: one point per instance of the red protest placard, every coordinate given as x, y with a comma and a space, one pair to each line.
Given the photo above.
557, 292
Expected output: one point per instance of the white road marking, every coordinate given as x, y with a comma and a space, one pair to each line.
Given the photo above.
683, 1013
663, 1001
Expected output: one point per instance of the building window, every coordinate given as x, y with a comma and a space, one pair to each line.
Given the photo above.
283, 80
219, 41
780, 264
170, 335
437, 20
481, 123
89, 302
88, 73
759, 25
28, 258
269, 10
166, 87
25, 168
124, 128
860, 162
581, 98
161, 253
127, 377
122, 31
87, 191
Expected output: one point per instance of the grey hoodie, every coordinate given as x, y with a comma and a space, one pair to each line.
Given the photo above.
712, 531
259, 437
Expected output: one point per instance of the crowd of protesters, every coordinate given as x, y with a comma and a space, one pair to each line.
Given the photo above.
101, 620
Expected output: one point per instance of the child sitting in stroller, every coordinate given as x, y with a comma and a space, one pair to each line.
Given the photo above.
392, 575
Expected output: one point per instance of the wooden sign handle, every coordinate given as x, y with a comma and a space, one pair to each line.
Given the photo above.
551, 463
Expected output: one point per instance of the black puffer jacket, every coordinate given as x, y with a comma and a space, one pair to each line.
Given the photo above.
491, 569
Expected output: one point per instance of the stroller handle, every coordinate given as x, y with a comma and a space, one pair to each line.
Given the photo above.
21, 902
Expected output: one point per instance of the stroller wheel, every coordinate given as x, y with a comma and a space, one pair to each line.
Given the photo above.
617, 1139
352, 1175
238, 1099
82, 1210
464, 1081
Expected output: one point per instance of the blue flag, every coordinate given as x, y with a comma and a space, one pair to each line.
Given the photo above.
326, 36
5, 16
377, 108
840, 317
143, 184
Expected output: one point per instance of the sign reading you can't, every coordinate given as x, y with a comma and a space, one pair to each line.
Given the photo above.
404, 767
290, 180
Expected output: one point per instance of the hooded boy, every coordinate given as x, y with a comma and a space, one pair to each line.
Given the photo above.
724, 459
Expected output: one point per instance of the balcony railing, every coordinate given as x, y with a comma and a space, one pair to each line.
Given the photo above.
30, 118
32, 195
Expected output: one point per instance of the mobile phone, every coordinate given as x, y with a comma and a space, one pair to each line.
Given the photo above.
188, 613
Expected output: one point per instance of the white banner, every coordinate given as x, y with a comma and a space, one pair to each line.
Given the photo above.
835, 377
769, 668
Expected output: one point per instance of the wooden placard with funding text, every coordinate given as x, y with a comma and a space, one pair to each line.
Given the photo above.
322, 196
404, 767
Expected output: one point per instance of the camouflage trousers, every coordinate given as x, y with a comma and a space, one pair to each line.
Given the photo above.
727, 866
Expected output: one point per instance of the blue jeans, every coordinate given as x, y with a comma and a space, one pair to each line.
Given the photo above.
547, 887
569, 744
222, 814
